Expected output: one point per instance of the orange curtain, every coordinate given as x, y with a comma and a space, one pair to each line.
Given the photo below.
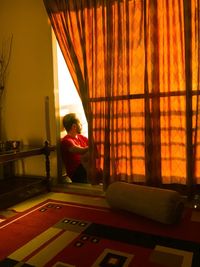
135, 64
194, 65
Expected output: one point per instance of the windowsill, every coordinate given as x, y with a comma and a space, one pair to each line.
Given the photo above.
84, 189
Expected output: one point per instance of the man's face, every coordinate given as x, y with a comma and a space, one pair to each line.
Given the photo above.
79, 127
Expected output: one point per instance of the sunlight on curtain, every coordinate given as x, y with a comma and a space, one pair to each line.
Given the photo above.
69, 100
195, 61
128, 62
172, 81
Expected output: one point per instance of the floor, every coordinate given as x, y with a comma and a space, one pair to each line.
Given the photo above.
78, 193
86, 189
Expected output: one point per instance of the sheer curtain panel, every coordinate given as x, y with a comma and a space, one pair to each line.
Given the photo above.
135, 64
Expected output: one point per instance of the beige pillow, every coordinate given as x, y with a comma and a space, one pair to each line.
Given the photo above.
161, 205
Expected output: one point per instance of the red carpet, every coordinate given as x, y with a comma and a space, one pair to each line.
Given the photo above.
57, 233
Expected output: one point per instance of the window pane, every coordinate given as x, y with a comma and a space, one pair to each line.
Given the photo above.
173, 139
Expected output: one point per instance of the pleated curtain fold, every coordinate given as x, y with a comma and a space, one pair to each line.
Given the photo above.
135, 65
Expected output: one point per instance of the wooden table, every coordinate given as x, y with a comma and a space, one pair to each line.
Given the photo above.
12, 186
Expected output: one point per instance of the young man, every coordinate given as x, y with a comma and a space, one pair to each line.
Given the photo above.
74, 148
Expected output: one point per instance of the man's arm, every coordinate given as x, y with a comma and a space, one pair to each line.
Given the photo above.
78, 149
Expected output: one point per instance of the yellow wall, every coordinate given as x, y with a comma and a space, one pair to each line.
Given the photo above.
30, 77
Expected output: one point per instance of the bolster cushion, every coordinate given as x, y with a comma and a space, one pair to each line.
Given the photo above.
162, 205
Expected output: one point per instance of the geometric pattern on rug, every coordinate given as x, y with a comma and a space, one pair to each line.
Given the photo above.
72, 225
70, 241
113, 258
177, 256
171, 257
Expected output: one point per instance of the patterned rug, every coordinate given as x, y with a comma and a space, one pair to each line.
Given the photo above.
56, 233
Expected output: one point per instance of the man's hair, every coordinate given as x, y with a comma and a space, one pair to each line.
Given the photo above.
69, 120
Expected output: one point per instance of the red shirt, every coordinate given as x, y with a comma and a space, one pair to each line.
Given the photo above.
72, 160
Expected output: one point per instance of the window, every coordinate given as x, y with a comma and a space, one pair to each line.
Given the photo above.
69, 100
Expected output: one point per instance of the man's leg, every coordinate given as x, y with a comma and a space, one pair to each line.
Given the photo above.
80, 175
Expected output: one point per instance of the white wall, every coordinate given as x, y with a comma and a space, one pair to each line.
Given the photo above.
30, 78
